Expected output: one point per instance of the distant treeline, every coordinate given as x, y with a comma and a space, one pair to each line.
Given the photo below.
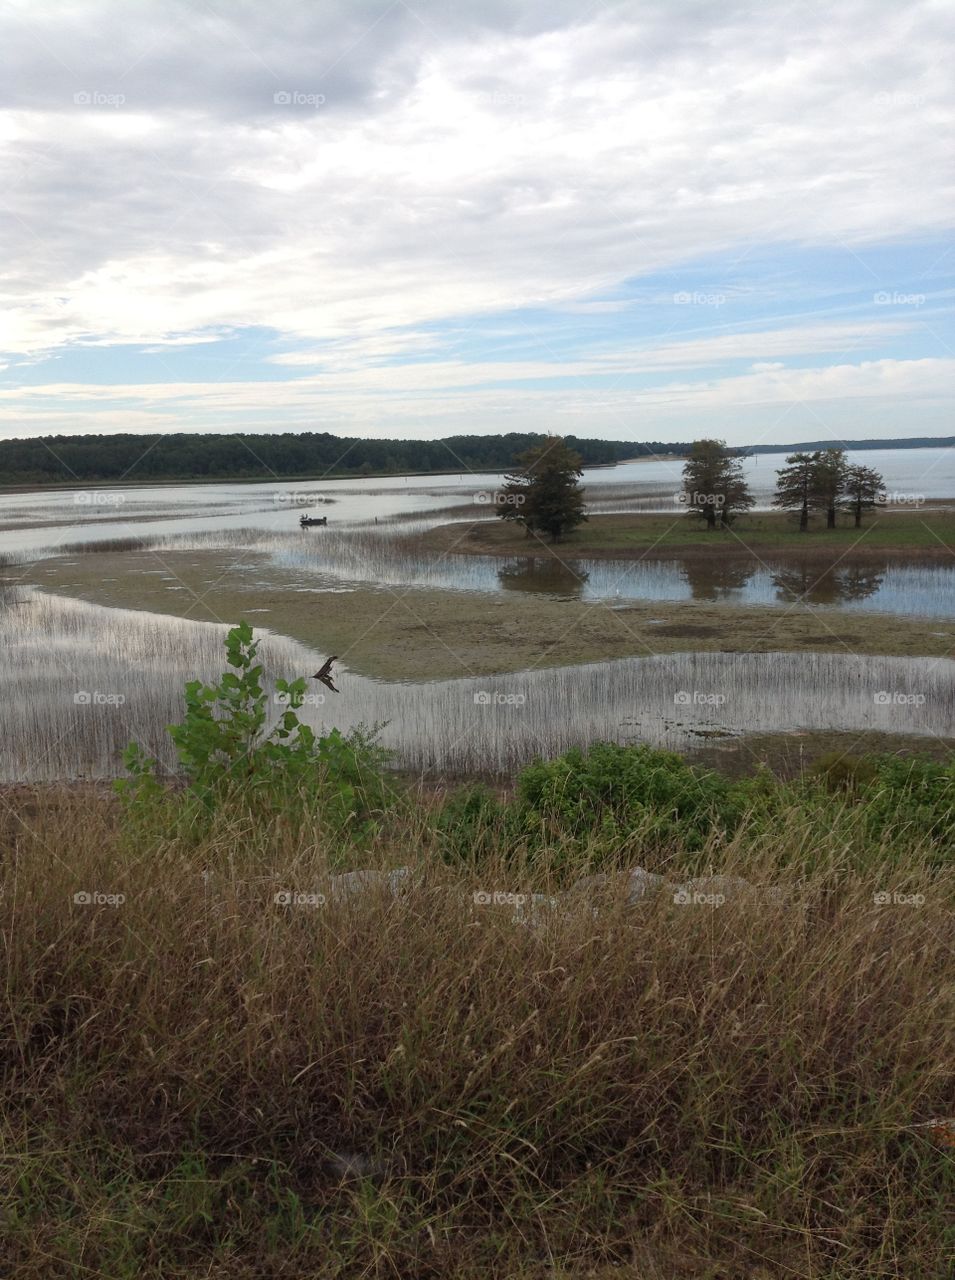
63, 459
66, 459
809, 446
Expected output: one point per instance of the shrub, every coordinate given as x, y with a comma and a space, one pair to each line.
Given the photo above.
230, 757
616, 789
469, 824
913, 794
839, 772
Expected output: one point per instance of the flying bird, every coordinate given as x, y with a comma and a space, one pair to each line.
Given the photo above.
325, 675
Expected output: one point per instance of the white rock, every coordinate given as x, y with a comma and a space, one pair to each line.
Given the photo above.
641, 883
354, 883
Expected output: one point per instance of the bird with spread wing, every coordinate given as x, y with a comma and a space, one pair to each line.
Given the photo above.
325, 675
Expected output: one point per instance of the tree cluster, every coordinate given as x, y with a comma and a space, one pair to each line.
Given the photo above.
824, 481
714, 487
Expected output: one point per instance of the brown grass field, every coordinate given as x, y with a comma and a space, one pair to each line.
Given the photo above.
199, 1082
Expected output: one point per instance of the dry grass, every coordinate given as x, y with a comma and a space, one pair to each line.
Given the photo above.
197, 1082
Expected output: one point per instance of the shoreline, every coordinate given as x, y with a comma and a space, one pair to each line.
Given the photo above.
60, 486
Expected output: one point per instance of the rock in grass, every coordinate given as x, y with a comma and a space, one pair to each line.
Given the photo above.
633, 885
642, 884
352, 884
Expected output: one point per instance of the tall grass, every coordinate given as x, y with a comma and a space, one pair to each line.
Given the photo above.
198, 1081
221, 1058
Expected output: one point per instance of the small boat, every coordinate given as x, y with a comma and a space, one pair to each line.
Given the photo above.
306, 522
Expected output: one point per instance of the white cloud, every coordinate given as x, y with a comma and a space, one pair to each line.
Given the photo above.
465, 160
880, 391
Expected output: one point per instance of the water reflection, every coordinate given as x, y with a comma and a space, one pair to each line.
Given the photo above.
396, 556
715, 579
837, 585
549, 576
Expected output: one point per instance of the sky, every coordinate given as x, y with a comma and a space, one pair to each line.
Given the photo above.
415, 218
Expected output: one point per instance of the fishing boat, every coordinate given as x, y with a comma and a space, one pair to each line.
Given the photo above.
306, 522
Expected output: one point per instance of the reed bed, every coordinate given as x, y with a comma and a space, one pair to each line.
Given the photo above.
132, 666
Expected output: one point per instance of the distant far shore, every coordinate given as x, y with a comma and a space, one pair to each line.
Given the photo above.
71, 462
45, 486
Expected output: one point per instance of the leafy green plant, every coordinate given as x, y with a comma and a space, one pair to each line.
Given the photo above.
227, 753
913, 793
469, 824
613, 789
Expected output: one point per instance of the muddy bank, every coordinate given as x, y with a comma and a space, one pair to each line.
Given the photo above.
419, 633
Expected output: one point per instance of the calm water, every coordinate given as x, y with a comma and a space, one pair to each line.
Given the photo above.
78, 682
878, 585
46, 519
344, 557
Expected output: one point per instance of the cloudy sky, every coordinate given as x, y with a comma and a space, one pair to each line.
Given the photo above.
641, 220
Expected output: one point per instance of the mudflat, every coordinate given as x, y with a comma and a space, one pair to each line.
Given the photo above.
422, 633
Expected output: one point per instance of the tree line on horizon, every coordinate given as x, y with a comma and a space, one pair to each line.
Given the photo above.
63, 459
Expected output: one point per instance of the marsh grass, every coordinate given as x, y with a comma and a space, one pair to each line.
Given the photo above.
55, 649
197, 1081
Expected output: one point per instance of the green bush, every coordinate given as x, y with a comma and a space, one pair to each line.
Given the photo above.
613, 790
469, 824
593, 803
915, 794
227, 755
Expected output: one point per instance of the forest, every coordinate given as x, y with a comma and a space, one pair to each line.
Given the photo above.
143, 458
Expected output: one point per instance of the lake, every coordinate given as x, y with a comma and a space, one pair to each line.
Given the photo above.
133, 664
39, 520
